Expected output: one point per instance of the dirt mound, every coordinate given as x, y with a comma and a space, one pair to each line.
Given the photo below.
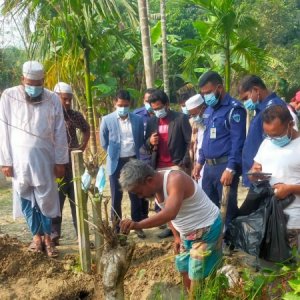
27, 275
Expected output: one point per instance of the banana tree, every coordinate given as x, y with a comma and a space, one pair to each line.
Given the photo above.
222, 30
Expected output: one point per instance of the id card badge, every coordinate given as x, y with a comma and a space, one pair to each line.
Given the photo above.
213, 133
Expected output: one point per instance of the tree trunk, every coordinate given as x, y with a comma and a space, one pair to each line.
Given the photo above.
227, 64
114, 265
89, 101
146, 44
164, 47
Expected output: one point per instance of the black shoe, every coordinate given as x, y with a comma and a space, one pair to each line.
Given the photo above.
166, 233
140, 233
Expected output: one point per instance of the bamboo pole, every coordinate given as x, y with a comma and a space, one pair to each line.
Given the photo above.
99, 241
81, 212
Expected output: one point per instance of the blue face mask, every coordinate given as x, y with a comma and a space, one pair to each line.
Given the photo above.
123, 111
161, 113
148, 107
250, 105
281, 141
211, 99
198, 119
33, 91
184, 110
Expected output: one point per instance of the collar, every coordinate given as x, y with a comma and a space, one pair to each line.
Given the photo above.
263, 104
223, 102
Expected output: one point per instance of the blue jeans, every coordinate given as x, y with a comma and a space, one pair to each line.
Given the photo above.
37, 222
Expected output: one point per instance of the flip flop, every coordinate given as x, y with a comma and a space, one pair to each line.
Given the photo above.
36, 246
51, 251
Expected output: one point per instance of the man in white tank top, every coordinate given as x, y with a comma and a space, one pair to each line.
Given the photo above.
192, 216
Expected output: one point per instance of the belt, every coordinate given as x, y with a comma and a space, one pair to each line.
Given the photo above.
127, 158
216, 161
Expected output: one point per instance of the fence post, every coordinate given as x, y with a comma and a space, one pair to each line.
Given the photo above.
81, 212
97, 219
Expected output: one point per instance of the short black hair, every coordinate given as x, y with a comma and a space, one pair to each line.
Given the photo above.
250, 81
159, 95
212, 77
149, 91
185, 92
122, 94
277, 111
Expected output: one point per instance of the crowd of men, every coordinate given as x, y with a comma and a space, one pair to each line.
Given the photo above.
182, 159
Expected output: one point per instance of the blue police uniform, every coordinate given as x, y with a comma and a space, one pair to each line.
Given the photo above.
223, 140
144, 155
255, 135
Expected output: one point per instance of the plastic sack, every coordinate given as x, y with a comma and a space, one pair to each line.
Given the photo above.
86, 180
100, 180
247, 232
275, 246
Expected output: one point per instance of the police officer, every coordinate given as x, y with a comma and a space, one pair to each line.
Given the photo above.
253, 91
223, 140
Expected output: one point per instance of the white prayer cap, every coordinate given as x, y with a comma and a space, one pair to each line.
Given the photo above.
63, 87
33, 70
194, 102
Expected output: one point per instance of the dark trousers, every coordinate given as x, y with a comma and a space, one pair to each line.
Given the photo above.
66, 189
213, 188
139, 207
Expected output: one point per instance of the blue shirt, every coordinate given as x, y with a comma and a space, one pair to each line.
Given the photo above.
256, 134
142, 112
225, 132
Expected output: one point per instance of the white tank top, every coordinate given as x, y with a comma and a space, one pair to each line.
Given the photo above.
196, 212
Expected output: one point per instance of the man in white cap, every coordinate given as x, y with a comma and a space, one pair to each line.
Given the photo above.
33, 151
73, 120
196, 107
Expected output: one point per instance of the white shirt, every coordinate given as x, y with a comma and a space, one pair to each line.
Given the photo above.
33, 139
284, 164
126, 137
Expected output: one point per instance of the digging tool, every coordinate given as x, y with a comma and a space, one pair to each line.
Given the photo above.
224, 203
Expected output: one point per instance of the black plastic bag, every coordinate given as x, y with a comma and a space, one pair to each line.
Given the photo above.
247, 232
275, 246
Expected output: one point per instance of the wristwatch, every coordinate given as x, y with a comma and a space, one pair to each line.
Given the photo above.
230, 171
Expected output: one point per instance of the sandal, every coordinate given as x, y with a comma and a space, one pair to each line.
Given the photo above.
51, 251
35, 246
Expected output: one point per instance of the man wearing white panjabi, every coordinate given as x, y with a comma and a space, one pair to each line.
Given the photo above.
33, 152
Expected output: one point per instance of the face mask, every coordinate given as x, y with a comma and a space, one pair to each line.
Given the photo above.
211, 99
198, 119
123, 111
250, 105
184, 110
148, 107
161, 113
281, 141
33, 91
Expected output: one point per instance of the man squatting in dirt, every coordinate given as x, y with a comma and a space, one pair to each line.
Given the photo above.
194, 219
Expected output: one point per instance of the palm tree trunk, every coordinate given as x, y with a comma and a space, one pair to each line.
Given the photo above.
146, 45
164, 47
227, 64
89, 101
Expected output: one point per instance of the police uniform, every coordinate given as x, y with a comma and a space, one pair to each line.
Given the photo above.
255, 134
223, 140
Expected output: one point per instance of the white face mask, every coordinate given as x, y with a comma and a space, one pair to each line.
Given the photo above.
161, 113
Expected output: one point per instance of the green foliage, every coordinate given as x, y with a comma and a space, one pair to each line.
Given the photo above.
11, 60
